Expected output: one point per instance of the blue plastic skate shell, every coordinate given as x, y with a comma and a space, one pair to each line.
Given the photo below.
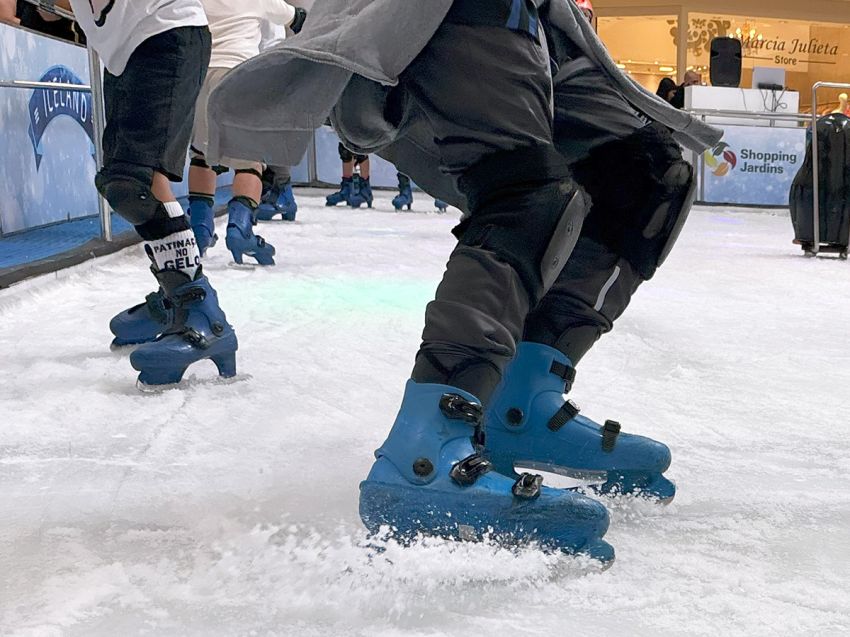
204, 334
342, 195
396, 494
202, 218
361, 192
404, 198
240, 238
531, 425
141, 323
278, 201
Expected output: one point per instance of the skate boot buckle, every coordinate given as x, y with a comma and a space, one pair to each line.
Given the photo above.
468, 470
610, 431
527, 486
565, 414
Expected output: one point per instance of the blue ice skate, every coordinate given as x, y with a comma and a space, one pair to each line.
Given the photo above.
202, 218
430, 478
200, 331
404, 198
240, 239
441, 205
279, 200
361, 192
142, 323
342, 195
530, 425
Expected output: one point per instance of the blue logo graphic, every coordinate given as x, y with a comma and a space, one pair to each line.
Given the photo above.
48, 104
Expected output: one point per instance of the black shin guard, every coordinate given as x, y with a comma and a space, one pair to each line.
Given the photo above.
638, 211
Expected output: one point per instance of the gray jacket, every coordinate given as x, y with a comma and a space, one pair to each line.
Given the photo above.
267, 108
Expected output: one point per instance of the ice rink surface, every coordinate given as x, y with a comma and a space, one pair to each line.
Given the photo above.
231, 509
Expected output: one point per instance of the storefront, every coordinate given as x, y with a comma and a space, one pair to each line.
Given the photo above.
761, 152
809, 40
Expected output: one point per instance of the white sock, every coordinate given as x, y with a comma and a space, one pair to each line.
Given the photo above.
177, 251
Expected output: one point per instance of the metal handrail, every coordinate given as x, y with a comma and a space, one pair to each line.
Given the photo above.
63, 86
50, 7
815, 158
765, 115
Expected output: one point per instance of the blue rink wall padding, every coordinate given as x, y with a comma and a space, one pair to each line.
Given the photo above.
65, 238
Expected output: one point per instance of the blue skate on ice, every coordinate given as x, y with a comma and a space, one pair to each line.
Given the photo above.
142, 323
431, 478
200, 331
240, 239
441, 205
278, 201
342, 195
361, 192
202, 218
530, 425
404, 198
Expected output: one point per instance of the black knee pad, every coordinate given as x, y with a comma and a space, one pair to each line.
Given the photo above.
526, 208
642, 191
127, 188
249, 171
346, 155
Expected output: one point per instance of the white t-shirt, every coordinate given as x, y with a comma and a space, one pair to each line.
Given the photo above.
273, 34
115, 28
237, 27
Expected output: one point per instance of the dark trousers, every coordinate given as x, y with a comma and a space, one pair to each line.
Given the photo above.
486, 92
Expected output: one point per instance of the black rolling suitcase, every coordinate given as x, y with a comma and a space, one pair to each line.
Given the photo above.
834, 189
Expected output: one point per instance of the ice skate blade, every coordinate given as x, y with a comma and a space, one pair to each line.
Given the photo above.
651, 487
189, 383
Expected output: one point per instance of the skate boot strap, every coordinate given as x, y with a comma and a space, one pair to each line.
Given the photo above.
187, 297
565, 414
157, 305
527, 486
468, 470
456, 407
567, 372
610, 431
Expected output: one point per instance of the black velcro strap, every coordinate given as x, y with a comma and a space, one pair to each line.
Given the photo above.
565, 414
567, 372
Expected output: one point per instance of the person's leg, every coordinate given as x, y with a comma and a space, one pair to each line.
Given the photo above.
242, 215
143, 150
494, 135
625, 235
404, 198
344, 192
278, 197
361, 187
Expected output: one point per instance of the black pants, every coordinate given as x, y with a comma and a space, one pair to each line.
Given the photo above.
486, 92
150, 107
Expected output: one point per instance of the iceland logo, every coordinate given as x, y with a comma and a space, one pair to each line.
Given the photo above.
48, 104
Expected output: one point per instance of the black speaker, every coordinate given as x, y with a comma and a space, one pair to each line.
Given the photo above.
726, 59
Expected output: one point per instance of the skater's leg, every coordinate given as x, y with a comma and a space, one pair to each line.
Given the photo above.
525, 210
143, 150
628, 231
344, 192
404, 198
242, 215
361, 187
278, 197
494, 134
